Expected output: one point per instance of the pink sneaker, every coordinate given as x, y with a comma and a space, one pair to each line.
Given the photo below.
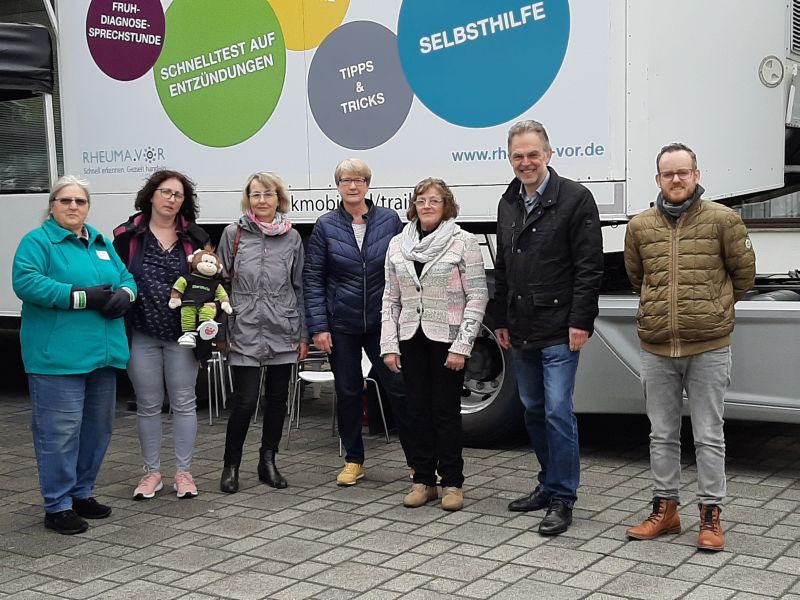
148, 486
184, 485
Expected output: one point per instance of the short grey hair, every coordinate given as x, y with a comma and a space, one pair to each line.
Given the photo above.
529, 126
65, 181
356, 166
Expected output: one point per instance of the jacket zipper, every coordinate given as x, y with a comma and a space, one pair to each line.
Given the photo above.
673, 275
363, 273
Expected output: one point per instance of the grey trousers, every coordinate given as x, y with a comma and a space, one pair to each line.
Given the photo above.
705, 377
154, 362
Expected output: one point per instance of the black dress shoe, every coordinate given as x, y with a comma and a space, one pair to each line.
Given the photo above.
89, 508
557, 520
536, 500
229, 482
65, 521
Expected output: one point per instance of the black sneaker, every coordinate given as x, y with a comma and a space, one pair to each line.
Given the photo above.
66, 522
89, 508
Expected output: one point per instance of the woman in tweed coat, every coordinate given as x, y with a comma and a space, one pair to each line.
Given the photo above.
433, 305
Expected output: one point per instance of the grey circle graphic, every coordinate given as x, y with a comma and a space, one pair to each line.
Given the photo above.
357, 91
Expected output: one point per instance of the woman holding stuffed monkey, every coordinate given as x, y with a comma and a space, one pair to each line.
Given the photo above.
155, 244
262, 257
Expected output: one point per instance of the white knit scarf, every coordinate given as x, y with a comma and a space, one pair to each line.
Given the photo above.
426, 249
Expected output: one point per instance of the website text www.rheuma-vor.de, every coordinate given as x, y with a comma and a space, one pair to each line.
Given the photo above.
500, 153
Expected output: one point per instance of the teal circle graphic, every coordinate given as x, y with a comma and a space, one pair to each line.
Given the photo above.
479, 64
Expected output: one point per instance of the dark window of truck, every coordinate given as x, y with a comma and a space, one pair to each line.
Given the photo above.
23, 142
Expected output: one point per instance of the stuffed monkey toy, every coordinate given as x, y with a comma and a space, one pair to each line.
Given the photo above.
196, 294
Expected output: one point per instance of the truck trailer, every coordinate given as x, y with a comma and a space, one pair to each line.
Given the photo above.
221, 89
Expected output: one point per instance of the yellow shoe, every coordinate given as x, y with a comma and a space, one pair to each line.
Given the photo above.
351, 473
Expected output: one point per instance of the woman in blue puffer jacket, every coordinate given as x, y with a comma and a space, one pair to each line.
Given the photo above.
343, 282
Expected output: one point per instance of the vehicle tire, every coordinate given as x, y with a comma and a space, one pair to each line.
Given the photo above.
490, 407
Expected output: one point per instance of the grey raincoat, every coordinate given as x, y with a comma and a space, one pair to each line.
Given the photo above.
268, 321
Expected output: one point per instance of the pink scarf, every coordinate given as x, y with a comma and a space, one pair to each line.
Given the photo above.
280, 224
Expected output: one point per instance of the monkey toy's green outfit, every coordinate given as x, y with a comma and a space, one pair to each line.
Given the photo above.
197, 291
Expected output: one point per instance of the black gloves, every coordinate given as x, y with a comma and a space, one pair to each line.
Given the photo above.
94, 297
117, 305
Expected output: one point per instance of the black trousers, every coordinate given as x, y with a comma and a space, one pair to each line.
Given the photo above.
246, 382
433, 410
349, 382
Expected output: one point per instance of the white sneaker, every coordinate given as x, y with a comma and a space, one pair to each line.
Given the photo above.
187, 340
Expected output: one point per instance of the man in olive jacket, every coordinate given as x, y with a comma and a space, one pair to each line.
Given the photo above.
691, 260
547, 282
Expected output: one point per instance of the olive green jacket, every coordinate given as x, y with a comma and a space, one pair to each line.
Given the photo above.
689, 274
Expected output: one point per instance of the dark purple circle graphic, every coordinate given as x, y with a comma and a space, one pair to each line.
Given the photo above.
125, 37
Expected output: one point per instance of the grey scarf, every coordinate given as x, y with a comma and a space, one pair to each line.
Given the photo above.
676, 210
426, 249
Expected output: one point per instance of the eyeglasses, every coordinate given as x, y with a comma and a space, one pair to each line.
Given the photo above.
65, 201
166, 194
432, 202
351, 180
518, 157
260, 195
681, 173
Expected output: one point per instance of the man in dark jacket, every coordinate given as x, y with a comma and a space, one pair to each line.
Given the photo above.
547, 281
343, 280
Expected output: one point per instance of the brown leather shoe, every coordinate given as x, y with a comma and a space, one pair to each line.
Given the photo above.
663, 519
711, 536
420, 495
452, 498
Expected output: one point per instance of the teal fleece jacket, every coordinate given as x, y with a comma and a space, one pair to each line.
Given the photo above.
55, 339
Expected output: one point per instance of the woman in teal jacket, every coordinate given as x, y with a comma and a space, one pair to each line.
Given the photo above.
74, 291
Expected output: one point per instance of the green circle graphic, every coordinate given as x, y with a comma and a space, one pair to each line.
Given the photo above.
222, 69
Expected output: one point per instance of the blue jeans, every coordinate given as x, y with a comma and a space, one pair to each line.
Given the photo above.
546, 379
349, 383
72, 420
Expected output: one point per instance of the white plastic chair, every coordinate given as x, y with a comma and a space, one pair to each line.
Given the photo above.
305, 376
366, 367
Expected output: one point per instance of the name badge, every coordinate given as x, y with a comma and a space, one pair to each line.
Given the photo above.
408, 245
103, 255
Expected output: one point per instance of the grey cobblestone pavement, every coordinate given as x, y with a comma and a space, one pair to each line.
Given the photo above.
316, 540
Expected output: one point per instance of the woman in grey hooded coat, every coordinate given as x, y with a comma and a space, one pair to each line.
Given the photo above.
262, 258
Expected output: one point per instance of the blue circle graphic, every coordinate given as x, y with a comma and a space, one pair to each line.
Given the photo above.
479, 64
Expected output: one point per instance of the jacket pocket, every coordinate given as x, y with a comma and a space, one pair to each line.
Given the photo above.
291, 320
551, 296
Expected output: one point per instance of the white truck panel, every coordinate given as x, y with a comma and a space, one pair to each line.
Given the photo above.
583, 106
693, 77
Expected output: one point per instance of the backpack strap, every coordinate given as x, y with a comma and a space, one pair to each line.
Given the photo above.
235, 248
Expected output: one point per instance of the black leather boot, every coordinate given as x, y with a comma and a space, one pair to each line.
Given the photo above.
267, 471
229, 482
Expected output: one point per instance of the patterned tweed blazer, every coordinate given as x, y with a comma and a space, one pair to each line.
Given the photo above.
448, 299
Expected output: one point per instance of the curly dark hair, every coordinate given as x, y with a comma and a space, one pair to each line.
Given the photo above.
144, 199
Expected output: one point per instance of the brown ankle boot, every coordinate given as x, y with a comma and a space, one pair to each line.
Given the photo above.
663, 519
711, 536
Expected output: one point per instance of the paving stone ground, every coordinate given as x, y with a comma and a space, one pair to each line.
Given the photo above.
316, 540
